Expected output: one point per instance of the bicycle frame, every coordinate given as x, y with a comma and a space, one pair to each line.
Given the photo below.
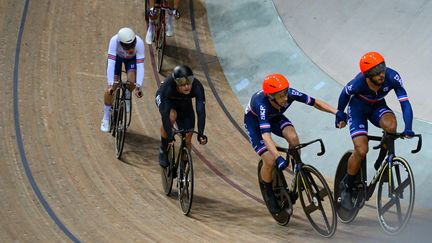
386, 140
297, 164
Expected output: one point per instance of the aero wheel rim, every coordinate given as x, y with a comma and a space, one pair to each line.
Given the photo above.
317, 201
396, 196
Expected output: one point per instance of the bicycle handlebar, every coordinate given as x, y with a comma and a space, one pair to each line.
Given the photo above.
184, 131
302, 145
396, 136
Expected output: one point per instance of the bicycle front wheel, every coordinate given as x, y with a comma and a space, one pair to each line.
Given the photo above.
396, 195
317, 200
160, 43
185, 181
121, 124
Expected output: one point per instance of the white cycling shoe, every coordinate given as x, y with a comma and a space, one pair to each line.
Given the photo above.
149, 35
169, 27
105, 125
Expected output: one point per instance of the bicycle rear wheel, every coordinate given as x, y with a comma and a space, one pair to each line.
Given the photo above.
281, 194
317, 200
160, 42
346, 216
146, 9
396, 195
167, 174
185, 181
121, 124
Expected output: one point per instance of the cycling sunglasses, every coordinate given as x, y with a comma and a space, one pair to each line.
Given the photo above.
280, 94
128, 46
184, 80
376, 70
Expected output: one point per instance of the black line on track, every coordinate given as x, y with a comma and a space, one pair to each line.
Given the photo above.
19, 139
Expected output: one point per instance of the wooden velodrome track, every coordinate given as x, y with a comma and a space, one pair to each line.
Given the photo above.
59, 178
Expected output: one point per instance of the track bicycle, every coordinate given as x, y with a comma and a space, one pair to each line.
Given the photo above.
180, 167
160, 11
395, 180
119, 117
309, 186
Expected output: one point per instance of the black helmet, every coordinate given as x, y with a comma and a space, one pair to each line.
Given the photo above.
183, 75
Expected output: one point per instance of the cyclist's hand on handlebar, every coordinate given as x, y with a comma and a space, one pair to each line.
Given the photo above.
281, 163
409, 133
138, 92
202, 139
341, 119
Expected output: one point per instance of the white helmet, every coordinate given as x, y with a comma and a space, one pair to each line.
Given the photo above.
126, 36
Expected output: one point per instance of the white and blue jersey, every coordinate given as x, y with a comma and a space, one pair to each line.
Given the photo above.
261, 117
365, 104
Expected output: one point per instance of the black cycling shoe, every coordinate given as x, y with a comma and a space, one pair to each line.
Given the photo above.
271, 201
163, 159
346, 197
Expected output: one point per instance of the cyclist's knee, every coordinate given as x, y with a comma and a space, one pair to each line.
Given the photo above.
360, 151
388, 122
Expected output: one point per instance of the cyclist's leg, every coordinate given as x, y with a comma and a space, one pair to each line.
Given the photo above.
150, 28
357, 121
281, 126
108, 97
257, 142
384, 118
186, 120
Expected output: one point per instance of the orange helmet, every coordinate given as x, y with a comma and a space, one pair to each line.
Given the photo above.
274, 83
370, 60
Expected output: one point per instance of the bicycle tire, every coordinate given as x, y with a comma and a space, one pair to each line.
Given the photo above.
114, 111
282, 196
160, 41
146, 9
120, 133
129, 118
345, 216
391, 213
185, 181
167, 174
317, 200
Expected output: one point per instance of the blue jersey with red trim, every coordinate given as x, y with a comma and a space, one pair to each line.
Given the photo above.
260, 107
359, 88
392, 81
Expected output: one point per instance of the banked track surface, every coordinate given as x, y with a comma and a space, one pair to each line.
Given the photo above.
96, 198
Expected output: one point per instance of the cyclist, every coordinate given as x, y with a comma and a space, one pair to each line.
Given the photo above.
364, 96
128, 48
169, 24
264, 115
174, 100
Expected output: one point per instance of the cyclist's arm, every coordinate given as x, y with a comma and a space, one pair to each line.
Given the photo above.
111, 60
200, 106
405, 104
140, 62
323, 106
164, 110
344, 98
271, 146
